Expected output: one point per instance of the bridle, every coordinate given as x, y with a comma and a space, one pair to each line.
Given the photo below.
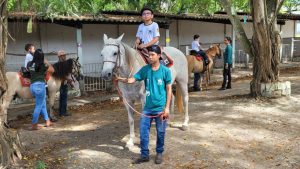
76, 68
117, 63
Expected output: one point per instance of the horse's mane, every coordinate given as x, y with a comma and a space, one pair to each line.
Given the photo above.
62, 69
135, 57
209, 50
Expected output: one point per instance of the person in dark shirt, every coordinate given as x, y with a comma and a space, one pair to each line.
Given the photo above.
38, 68
227, 64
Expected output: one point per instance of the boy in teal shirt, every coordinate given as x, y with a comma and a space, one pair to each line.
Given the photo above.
157, 79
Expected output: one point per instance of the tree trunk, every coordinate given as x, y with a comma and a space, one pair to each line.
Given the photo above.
266, 40
9, 140
266, 43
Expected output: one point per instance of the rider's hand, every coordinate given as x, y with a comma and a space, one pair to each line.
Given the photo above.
141, 46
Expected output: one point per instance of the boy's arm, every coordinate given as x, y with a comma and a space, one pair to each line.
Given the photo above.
152, 42
169, 95
137, 41
126, 80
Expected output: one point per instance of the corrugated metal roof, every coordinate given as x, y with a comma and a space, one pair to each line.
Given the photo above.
134, 17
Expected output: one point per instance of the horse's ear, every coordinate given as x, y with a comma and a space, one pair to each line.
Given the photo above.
219, 44
77, 58
120, 37
105, 38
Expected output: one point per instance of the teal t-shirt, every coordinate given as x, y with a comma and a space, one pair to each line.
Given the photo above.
228, 54
155, 85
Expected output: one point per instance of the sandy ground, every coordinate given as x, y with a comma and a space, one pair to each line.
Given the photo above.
228, 129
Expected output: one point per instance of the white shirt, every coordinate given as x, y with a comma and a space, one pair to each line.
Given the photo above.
28, 58
147, 33
196, 46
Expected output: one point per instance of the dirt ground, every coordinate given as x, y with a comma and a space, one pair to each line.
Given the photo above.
228, 129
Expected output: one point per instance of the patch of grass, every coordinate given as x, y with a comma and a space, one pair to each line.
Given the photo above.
40, 165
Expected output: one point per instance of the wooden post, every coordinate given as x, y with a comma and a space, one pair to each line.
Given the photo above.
233, 47
168, 37
79, 54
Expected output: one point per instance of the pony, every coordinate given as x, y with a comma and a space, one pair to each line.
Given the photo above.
119, 58
61, 71
196, 66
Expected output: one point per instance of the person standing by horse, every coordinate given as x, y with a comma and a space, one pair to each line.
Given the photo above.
227, 64
38, 68
197, 48
29, 48
157, 79
63, 97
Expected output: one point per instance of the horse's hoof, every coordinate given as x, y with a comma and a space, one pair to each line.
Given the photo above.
53, 119
184, 127
129, 143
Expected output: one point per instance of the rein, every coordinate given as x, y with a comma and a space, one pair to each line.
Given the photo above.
115, 71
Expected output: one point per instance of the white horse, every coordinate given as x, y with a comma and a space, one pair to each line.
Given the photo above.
61, 71
125, 61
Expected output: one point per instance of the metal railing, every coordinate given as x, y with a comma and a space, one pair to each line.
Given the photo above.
92, 79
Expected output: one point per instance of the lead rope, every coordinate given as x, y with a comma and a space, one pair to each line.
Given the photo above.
126, 102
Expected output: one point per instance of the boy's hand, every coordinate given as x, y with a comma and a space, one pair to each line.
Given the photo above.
165, 115
141, 46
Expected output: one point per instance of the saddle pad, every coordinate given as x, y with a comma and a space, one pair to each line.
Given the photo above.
25, 82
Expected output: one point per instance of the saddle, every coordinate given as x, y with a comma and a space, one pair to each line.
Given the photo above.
200, 59
24, 76
165, 58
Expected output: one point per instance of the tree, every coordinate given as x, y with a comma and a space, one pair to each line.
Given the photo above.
9, 140
266, 40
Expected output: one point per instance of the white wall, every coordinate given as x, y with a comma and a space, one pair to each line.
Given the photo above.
53, 37
288, 29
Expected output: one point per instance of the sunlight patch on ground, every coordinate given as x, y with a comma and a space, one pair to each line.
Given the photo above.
111, 146
78, 127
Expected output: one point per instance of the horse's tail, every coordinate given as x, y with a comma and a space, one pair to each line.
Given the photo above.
178, 97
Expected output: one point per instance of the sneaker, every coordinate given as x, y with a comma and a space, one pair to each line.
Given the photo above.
228, 87
222, 88
141, 160
197, 89
158, 158
66, 114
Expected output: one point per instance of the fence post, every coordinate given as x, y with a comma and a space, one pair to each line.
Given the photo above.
247, 61
292, 49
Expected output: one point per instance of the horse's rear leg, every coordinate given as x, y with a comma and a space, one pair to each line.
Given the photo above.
130, 142
185, 99
7, 98
172, 109
51, 106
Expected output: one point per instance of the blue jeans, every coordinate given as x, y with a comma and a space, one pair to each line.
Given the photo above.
38, 90
63, 98
196, 79
145, 125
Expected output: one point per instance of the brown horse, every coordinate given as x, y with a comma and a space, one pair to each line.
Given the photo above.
16, 89
196, 66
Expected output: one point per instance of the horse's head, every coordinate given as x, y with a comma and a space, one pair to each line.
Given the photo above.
215, 50
112, 56
76, 68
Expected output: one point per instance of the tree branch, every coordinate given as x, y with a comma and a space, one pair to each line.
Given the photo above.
237, 25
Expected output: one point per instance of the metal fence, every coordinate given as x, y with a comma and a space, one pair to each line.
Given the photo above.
92, 79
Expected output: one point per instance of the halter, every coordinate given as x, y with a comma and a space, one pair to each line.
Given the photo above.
118, 60
75, 68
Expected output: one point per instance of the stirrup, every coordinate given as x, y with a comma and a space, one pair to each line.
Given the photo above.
166, 61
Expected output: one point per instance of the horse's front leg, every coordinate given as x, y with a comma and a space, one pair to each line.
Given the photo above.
130, 142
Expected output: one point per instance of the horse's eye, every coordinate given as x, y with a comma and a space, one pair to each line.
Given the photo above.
101, 55
115, 53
